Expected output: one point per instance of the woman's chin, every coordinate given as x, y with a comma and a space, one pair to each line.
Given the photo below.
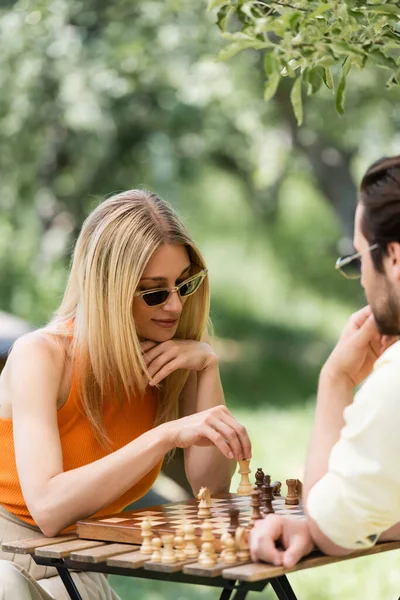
160, 336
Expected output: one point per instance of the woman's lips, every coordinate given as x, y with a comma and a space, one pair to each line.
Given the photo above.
165, 324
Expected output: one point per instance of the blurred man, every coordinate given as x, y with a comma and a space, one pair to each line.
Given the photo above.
352, 482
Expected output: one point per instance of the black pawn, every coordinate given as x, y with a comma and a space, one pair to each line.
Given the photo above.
276, 488
255, 506
259, 478
234, 521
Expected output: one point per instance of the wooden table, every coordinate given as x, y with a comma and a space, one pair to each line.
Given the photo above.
69, 552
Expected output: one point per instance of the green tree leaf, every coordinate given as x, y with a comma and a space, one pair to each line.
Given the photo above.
215, 4
342, 85
327, 77
379, 58
385, 9
313, 79
271, 64
296, 99
271, 86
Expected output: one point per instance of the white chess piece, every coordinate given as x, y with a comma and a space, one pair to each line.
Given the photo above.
146, 547
191, 550
167, 554
245, 488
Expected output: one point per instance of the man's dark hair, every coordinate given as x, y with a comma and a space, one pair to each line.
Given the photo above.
380, 197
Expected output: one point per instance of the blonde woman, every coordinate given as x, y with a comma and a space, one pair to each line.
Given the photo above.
121, 376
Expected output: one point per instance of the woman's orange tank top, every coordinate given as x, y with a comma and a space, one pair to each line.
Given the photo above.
80, 447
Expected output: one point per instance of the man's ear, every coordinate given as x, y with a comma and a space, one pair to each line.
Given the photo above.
393, 259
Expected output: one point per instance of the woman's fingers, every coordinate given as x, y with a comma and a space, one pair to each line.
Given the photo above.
241, 433
156, 351
157, 364
229, 435
147, 345
217, 439
169, 368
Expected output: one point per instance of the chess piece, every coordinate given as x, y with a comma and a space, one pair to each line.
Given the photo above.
255, 503
259, 477
276, 488
291, 498
245, 487
234, 520
242, 544
146, 547
223, 547
263, 493
229, 555
179, 545
190, 549
207, 531
156, 544
207, 555
204, 511
167, 554
267, 479
268, 497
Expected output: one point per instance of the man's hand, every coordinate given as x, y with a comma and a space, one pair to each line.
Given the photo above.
359, 346
292, 533
165, 358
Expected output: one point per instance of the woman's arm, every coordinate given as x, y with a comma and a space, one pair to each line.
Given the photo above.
205, 466
202, 392
55, 498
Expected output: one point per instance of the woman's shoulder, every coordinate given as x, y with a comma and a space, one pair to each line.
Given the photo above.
41, 349
37, 362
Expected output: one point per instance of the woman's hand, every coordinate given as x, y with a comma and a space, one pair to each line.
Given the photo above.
162, 359
359, 346
214, 426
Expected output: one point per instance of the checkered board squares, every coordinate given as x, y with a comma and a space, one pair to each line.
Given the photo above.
167, 518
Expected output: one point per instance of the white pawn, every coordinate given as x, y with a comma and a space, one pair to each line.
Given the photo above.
222, 541
207, 531
229, 555
191, 550
242, 544
156, 545
207, 556
179, 547
146, 547
168, 555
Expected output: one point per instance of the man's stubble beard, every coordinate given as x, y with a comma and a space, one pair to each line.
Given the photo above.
387, 316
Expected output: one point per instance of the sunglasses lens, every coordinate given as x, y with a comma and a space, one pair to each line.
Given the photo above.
353, 269
157, 297
191, 286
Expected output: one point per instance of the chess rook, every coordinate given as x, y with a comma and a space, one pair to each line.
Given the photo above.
291, 498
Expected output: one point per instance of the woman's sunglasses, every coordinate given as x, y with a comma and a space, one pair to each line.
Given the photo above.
160, 296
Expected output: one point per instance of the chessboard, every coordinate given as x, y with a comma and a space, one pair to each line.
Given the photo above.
165, 519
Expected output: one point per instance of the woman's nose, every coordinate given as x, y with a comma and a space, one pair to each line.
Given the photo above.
173, 304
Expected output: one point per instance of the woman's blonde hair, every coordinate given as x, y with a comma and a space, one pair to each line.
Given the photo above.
116, 242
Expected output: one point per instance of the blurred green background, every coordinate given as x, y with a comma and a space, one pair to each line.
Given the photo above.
99, 97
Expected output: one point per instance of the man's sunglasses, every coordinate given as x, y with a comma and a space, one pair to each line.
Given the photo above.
350, 266
159, 296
